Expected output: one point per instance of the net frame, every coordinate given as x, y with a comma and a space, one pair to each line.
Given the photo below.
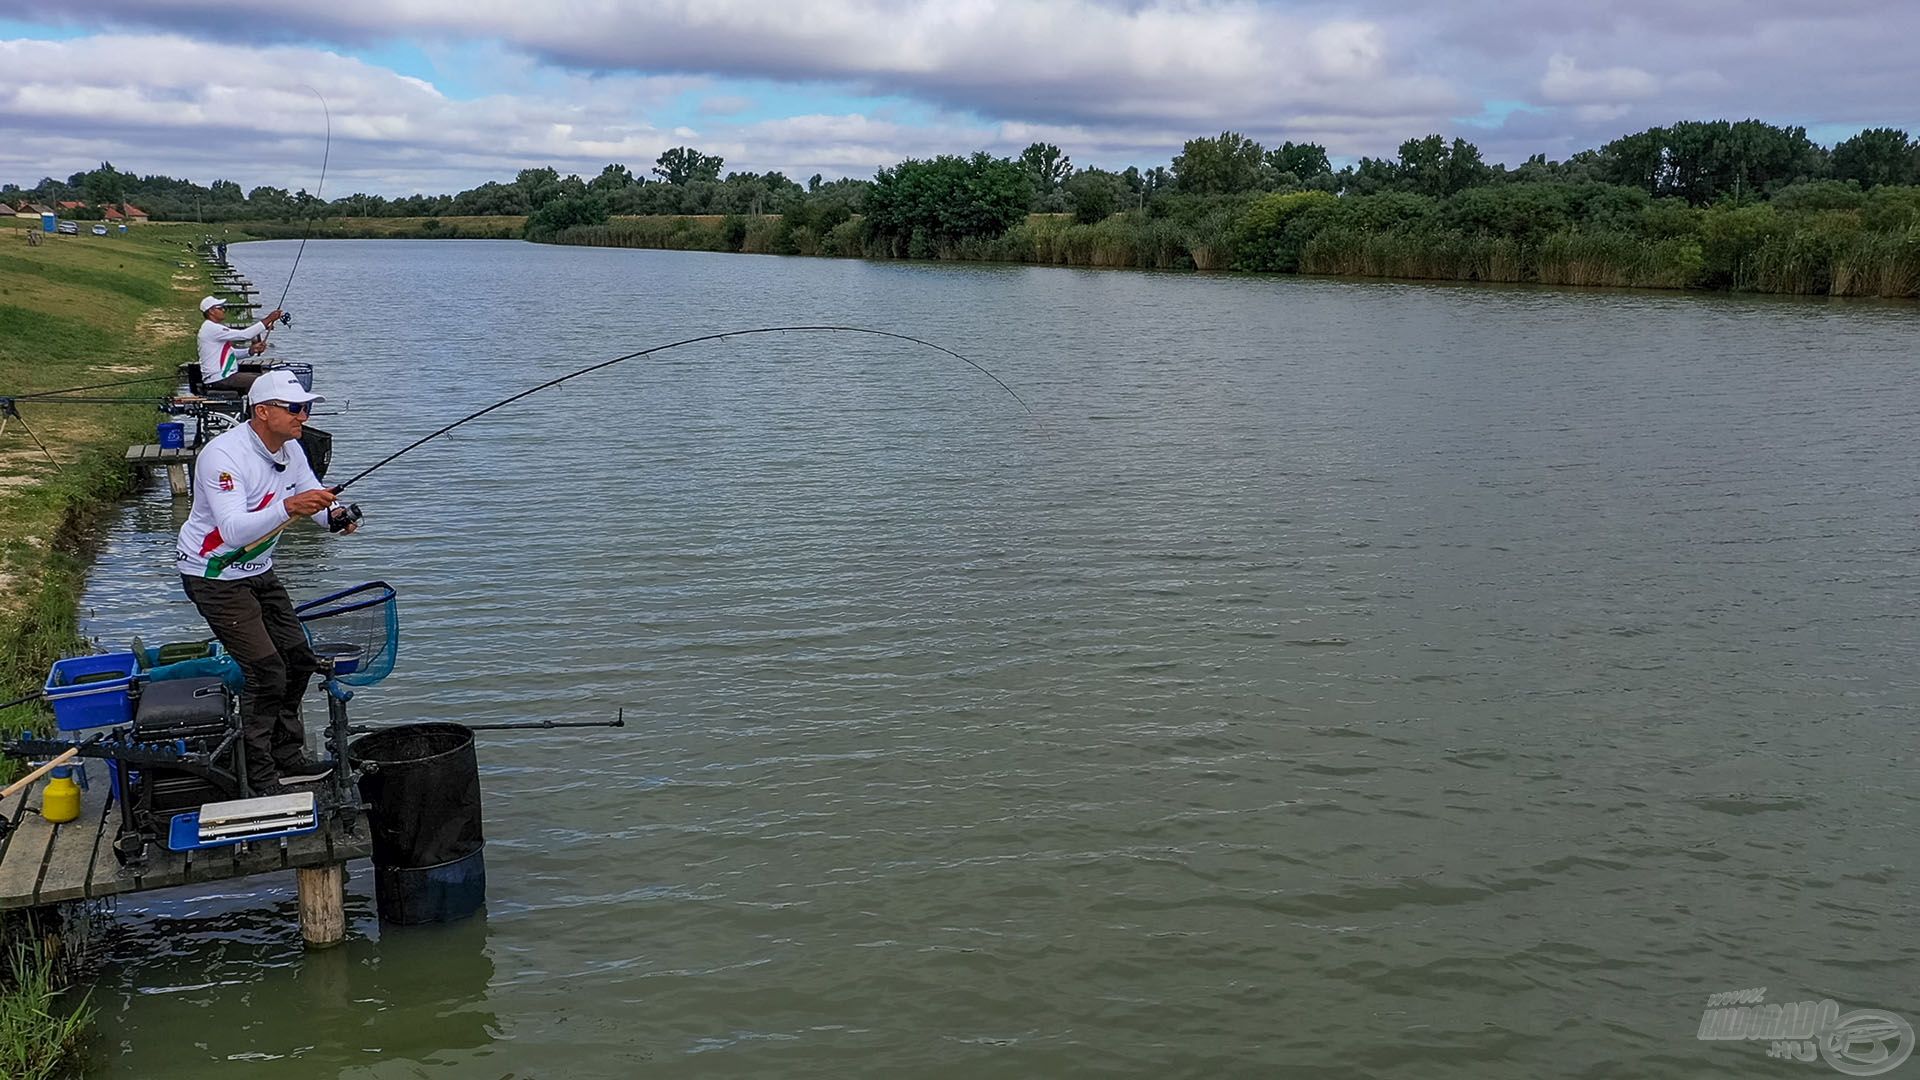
367, 617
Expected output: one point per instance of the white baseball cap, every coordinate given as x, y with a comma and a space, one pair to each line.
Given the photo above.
279, 384
209, 303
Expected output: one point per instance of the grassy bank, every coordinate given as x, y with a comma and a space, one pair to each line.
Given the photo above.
74, 311
502, 227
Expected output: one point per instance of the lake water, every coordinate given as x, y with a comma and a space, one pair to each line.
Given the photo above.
1327, 678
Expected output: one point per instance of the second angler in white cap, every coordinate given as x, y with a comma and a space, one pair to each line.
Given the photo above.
219, 363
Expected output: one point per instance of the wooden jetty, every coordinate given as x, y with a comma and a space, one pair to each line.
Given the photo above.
177, 462
43, 863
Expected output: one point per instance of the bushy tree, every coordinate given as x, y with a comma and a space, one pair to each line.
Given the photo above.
685, 165
105, 186
1228, 164
267, 201
1877, 156
615, 177
1048, 167
917, 208
1892, 208
1095, 194
1432, 166
1303, 160
1370, 176
491, 197
1704, 161
1155, 182
538, 186
757, 193
1815, 195
565, 212
1268, 236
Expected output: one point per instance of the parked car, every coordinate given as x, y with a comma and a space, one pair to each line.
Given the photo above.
71, 228
99, 230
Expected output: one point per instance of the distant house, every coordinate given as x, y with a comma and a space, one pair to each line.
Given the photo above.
31, 210
72, 205
133, 213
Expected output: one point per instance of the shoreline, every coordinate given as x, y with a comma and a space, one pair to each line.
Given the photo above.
75, 311
1054, 240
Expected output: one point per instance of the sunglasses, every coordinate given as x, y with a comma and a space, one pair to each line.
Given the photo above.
298, 408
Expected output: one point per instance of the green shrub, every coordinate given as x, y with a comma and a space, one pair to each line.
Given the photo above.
1891, 208
843, 239
1730, 238
1261, 239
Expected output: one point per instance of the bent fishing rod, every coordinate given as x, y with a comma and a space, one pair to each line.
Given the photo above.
325, 154
342, 516
364, 473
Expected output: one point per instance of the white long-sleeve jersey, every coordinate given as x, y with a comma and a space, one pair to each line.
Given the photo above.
217, 356
239, 500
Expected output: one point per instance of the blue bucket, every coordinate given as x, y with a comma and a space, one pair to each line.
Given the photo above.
91, 691
173, 434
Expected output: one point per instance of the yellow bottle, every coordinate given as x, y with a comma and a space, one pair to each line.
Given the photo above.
61, 801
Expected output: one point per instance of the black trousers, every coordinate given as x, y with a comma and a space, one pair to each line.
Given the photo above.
253, 617
239, 382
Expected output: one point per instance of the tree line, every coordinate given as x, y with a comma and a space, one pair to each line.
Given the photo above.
1721, 204
1701, 162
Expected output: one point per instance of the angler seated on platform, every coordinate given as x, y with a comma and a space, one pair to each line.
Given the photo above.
221, 365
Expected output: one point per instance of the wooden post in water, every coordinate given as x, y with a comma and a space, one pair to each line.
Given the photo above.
177, 479
323, 905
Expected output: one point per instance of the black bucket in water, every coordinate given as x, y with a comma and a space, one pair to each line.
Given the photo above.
422, 790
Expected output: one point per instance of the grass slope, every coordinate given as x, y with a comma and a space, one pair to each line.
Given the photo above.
74, 311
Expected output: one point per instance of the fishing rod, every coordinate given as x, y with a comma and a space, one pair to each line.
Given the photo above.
325, 154
364, 473
95, 386
88, 400
35, 696
529, 725
342, 516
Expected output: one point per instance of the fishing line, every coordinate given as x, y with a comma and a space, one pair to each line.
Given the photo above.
95, 386
357, 477
325, 154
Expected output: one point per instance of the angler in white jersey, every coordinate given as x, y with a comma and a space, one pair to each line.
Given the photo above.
249, 484
220, 362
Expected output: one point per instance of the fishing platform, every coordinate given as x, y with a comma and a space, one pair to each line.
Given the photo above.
43, 863
169, 803
177, 461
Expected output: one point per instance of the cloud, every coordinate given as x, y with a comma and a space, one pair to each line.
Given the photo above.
576, 83
169, 104
1567, 83
725, 105
1218, 63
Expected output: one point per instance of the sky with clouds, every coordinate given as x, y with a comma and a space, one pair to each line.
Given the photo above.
439, 95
